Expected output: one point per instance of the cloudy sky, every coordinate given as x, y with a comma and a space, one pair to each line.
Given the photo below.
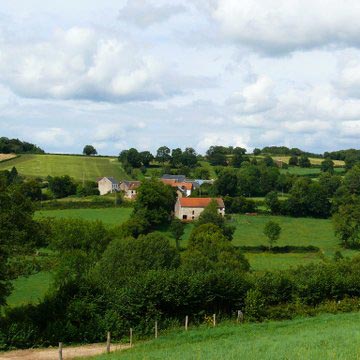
146, 73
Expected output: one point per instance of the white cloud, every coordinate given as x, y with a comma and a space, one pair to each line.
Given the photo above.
144, 13
81, 64
282, 26
55, 137
255, 97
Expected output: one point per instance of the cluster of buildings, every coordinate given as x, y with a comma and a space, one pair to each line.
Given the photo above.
186, 208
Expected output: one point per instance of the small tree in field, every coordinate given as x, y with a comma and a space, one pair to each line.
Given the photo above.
89, 150
177, 231
272, 231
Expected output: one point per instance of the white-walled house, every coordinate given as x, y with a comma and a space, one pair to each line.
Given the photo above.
107, 185
189, 209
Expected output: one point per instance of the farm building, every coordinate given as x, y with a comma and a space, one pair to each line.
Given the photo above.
129, 188
183, 189
107, 185
189, 209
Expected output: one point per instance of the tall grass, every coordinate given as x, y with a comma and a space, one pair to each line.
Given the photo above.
323, 337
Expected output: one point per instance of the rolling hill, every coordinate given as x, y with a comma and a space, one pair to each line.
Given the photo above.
77, 166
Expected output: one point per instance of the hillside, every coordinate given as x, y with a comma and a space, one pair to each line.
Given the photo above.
323, 337
77, 166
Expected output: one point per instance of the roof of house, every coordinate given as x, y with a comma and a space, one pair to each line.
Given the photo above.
110, 178
200, 202
132, 185
183, 185
179, 178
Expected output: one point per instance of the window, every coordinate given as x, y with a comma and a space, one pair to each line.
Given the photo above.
184, 217
193, 217
193, 212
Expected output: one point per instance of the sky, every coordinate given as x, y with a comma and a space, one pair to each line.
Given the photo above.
148, 73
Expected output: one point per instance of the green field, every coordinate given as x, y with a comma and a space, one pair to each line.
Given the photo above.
109, 216
295, 170
249, 232
322, 337
78, 167
29, 289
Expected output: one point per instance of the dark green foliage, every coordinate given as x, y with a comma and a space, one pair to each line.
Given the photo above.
268, 161
89, 150
350, 156
352, 180
125, 258
293, 161
327, 166
307, 198
62, 186
201, 173
177, 230
208, 249
210, 215
273, 203
155, 202
239, 205
216, 155
347, 224
146, 158
256, 151
226, 183
304, 162
330, 183
87, 188
8, 146
31, 189
163, 154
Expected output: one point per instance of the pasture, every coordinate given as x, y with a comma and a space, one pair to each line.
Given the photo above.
77, 166
313, 161
109, 216
249, 232
322, 337
29, 289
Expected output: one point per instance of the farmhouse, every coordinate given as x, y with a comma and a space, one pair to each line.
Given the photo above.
189, 209
107, 185
183, 189
129, 188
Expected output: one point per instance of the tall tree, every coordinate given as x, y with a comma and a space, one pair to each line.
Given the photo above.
272, 231
163, 154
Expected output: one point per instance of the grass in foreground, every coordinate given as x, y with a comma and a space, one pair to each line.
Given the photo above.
77, 167
322, 337
29, 289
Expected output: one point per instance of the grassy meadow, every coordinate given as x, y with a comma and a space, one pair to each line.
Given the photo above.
29, 289
322, 337
109, 216
77, 166
249, 232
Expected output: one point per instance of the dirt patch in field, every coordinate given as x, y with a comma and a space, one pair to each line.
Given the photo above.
53, 353
6, 157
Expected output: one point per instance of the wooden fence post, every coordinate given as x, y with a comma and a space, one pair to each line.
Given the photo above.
240, 316
108, 341
214, 320
186, 322
60, 351
131, 337
156, 329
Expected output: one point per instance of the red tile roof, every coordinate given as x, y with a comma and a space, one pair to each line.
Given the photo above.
174, 183
200, 202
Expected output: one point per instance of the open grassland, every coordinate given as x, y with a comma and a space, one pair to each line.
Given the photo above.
4, 157
308, 171
313, 161
29, 289
249, 232
109, 216
322, 337
78, 167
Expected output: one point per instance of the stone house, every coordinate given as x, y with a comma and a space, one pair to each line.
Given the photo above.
189, 209
107, 185
129, 188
